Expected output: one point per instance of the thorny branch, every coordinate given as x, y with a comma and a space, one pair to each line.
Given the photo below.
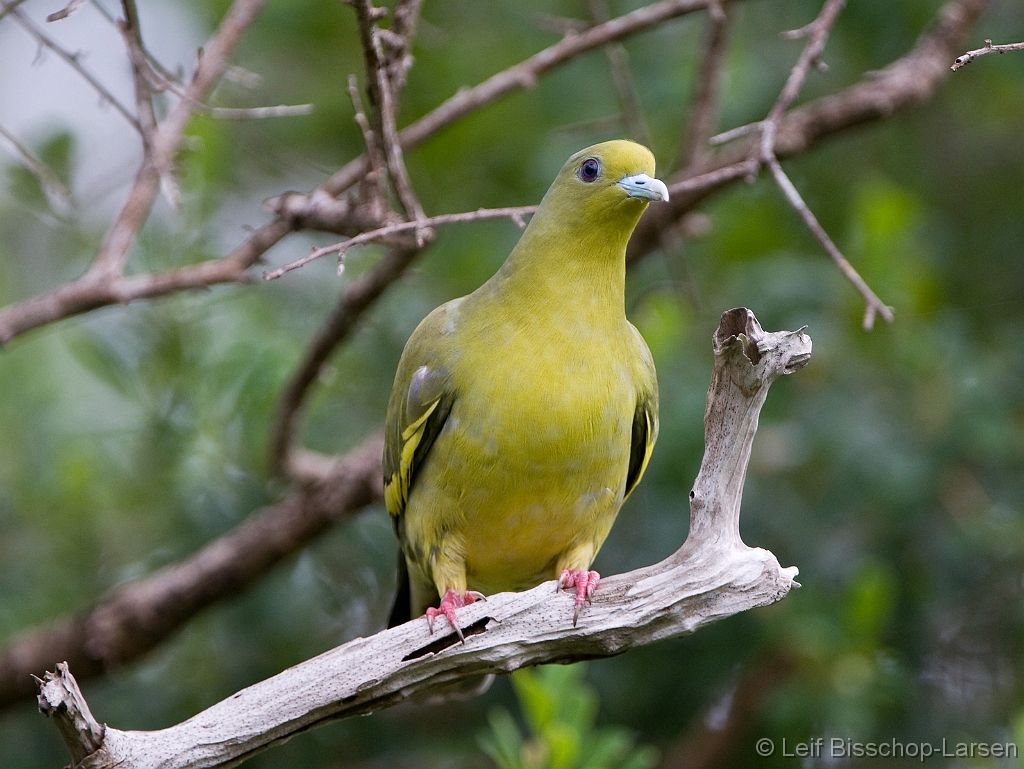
970, 56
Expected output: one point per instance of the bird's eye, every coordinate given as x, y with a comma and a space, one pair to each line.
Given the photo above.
589, 169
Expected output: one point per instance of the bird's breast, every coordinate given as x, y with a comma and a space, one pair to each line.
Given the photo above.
538, 450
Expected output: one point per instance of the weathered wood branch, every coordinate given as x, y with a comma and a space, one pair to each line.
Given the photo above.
712, 576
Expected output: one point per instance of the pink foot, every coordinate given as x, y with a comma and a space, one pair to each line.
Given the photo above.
449, 603
585, 583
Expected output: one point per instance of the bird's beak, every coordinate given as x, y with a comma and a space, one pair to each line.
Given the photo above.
643, 186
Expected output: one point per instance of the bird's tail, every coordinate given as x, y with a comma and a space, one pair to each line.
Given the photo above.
401, 609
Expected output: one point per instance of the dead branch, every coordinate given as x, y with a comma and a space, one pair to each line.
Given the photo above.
382, 99
6, 8
137, 616
970, 56
66, 11
712, 576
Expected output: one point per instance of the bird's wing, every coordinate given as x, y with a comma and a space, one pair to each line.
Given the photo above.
645, 416
420, 403
645, 432
418, 410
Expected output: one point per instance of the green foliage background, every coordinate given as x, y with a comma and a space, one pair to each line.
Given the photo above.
890, 470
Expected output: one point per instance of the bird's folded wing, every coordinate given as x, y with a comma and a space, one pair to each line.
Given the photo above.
416, 415
645, 432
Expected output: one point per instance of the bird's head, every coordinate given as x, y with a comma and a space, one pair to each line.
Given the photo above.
606, 186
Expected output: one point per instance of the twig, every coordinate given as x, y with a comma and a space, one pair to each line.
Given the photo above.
144, 78
515, 214
46, 176
874, 304
970, 56
137, 616
72, 59
622, 80
712, 576
817, 35
695, 184
907, 82
373, 189
402, 33
8, 7
735, 133
382, 97
704, 110
66, 11
255, 113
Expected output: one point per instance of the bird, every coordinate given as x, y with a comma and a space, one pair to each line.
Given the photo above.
523, 414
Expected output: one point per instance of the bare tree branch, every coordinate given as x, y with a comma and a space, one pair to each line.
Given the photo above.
622, 80
382, 97
137, 616
516, 214
970, 56
144, 78
72, 59
817, 35
905, 83
66, 11
6, 8
103, 283
712, 576
97, 289
704, 110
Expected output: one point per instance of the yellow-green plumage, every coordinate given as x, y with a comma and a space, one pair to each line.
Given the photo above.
523, 414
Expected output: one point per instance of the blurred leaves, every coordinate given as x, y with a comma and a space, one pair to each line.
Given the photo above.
560, 711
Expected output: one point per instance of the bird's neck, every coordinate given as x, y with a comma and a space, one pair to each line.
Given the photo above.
567, 274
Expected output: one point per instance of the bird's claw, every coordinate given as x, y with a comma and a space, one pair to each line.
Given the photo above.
585, 583
449, 603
